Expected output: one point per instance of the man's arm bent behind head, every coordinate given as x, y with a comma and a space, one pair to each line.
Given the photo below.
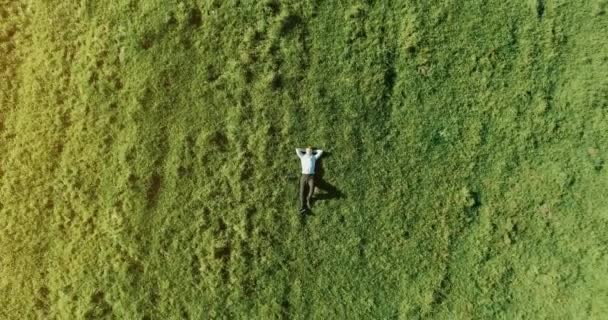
299, 152
319, 153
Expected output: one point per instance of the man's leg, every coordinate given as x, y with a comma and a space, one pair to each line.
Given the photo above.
302, 191
311, 189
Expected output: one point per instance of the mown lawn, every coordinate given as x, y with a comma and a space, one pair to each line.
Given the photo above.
148, 171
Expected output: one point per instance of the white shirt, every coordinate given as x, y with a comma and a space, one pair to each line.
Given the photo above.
308, 161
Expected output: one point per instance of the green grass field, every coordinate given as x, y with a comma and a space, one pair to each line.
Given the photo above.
147, 159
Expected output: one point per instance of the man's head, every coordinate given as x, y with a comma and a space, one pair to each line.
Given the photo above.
309, 150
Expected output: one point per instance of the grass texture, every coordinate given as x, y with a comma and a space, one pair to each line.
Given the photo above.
147, 159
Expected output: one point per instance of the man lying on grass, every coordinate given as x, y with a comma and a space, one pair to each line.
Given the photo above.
308, 160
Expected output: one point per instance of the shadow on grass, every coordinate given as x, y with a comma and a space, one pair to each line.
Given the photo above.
330, 191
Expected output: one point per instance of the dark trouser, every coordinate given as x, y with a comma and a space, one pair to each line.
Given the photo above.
307, 179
